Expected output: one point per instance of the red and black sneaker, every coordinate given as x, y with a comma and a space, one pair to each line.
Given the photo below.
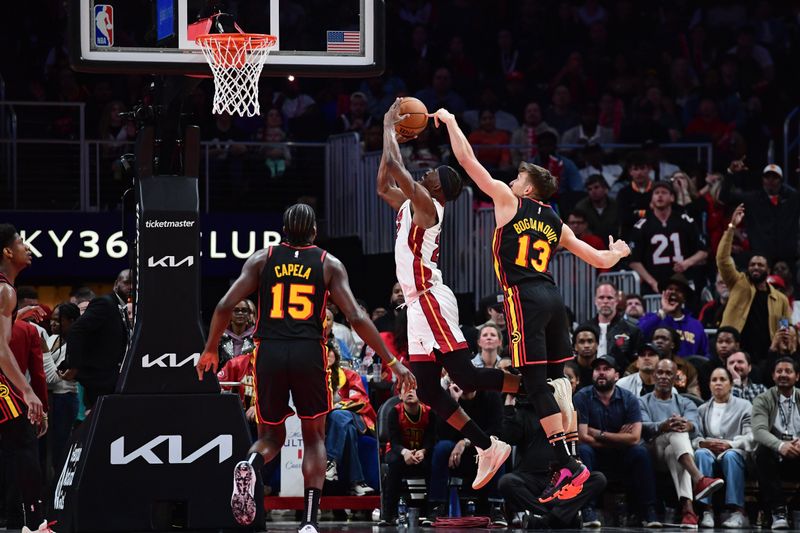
572, 474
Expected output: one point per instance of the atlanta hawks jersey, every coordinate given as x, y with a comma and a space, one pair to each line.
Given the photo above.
292, 294
522, 248
416, 252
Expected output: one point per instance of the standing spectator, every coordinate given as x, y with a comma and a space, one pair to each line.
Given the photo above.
610, 430
491, 308
643, 380
770, 210
634, 198
618, 337
724, 445
669, 421
728, 341
738, 363
526, 137
64, 394
674, 314
601, 211
490, 341
776, 430
576, 221
584, 343
488, 135
588, 131
665, 242
710, 314
238, 336
754, 307
411, 439
384, 319
784, 344
98, 340
634, 308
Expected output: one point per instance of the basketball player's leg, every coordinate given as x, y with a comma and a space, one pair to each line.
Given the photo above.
459, 366
559, 351
312, 395
18, 444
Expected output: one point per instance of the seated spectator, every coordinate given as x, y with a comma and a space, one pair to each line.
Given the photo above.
383, 318
754, 307
669, 421
592, 157
633, 199
727, 342
526, 137
238, 336
441, 93
784, 344
776, 431
601, 211
618, 337
492, 311
240, 370
562, 168
357, 119
503, 120
673, 314
576, 221
571, 371
588, 131
783, 271
584, 344
642, 381
686, 379
610, 430
488, 135
661, 168
277, 157
411, 438
665, 242
522, 487
490, 341
423, 152
710, 314
560, 114
738, 363
342, 334
634, 308
352, 415
454, 456
723, 447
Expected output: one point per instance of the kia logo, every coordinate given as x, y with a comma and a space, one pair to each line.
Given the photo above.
168, 261
174, 451
169, 360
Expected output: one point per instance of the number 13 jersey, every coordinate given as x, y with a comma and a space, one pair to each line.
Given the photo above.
292, 295
522, 249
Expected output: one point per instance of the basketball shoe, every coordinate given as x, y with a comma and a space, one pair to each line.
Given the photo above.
243, 502
489, 460
44, 527
572, 474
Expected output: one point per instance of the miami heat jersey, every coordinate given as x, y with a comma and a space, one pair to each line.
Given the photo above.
522, 249
292, 294
416, 252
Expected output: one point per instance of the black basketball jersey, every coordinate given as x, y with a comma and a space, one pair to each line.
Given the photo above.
292, 294
522, 249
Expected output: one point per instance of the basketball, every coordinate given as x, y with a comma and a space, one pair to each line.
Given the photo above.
413, 124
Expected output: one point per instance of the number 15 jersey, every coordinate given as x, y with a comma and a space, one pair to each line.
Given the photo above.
522, 249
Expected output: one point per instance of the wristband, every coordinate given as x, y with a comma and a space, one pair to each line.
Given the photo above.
392, 362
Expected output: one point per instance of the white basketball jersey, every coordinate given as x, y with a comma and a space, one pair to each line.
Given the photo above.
416, 252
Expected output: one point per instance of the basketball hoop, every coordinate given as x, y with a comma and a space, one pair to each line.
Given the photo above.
236, 60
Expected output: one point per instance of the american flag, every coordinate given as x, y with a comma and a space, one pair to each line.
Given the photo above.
344, 41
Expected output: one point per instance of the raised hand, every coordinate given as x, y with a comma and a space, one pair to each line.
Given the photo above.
737, 165
442, 115
393, 115
619, 247
738, 215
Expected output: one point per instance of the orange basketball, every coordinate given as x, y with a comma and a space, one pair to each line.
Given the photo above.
415, 122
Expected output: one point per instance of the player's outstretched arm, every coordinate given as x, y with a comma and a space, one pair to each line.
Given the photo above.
387, 188
597, 258
499, 191
245, 284
342, 296
424, 210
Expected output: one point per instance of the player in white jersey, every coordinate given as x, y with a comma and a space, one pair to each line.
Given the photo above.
434, 337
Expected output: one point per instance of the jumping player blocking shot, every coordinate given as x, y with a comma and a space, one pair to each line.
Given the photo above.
528, 233
434, 337
293, 281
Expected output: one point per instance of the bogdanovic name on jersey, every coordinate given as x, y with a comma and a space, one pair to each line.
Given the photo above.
292, 269
536, 225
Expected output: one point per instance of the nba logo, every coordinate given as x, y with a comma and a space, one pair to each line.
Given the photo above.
103, 25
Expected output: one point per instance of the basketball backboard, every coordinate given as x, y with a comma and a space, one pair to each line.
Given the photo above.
315, 37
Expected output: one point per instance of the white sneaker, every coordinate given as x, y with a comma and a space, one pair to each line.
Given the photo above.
308, 528
331, 471
489, 461
736, 520
44, 527
362, 489
562, 391
243, 499
707, 522
779, 520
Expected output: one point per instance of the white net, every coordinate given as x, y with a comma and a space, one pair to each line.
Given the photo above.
236, 61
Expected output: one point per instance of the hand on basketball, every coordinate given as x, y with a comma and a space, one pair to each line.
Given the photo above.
442, 115
738, 215
405, 379
619, 247
393, 115
207, 362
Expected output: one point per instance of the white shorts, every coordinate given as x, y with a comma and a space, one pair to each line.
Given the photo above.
433, 324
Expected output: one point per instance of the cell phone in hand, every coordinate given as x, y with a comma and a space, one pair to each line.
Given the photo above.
783, 323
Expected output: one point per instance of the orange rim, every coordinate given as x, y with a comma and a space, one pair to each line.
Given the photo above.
256, 40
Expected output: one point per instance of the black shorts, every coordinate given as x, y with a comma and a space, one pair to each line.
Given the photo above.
299, 366
538, 329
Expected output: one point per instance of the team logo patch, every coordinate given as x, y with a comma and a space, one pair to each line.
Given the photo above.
516, 337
